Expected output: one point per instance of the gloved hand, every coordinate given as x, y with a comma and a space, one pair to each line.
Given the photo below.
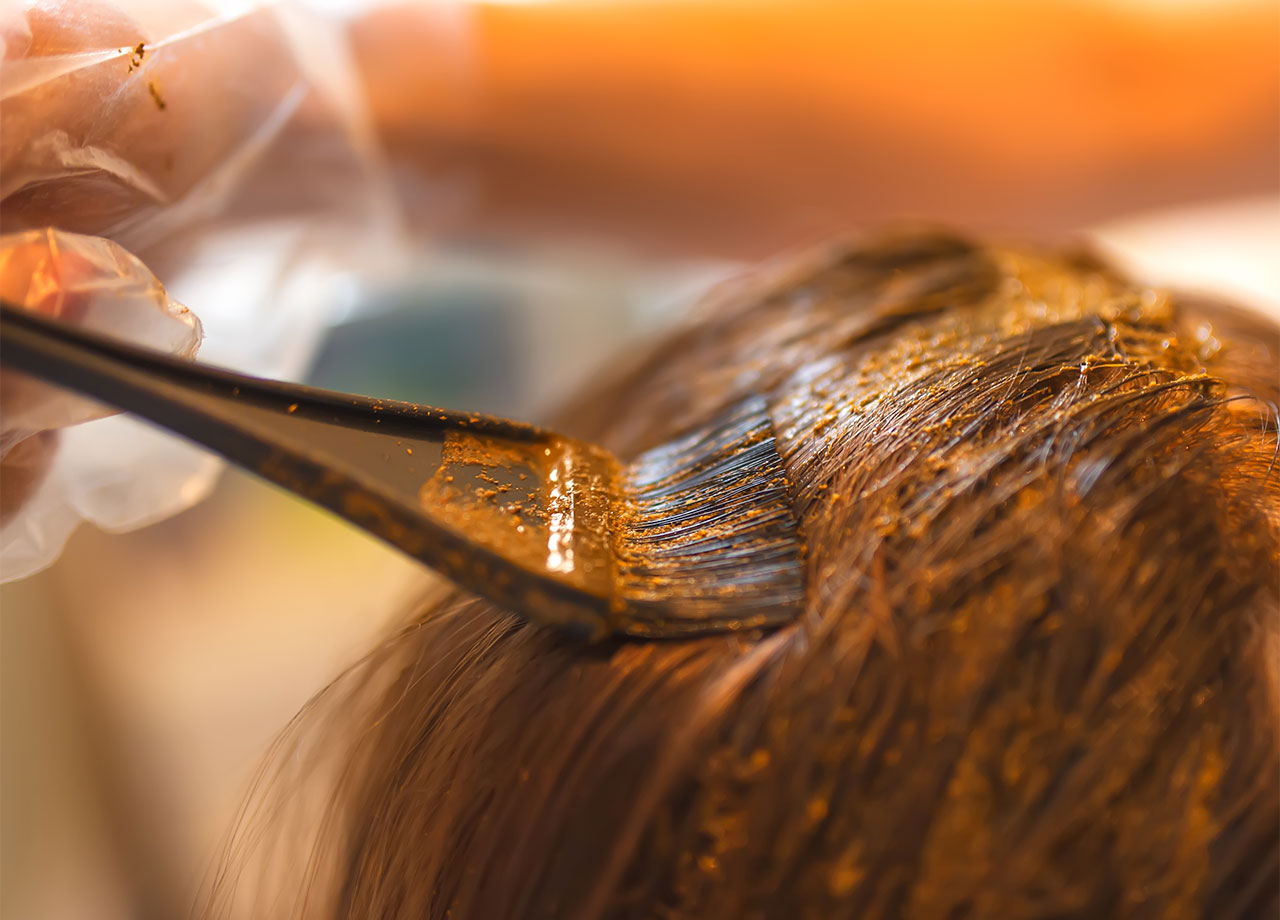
219, 148
93, 283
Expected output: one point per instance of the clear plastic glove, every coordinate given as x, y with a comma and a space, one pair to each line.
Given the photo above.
226, 147
97, 285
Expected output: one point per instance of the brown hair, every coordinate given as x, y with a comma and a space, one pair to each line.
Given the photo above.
1036, 674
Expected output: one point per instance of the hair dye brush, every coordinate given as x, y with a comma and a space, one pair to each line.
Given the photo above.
692, 537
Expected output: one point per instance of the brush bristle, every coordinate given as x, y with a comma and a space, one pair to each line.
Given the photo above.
710, 541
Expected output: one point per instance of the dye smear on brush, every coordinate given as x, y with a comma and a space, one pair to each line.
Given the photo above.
545, 505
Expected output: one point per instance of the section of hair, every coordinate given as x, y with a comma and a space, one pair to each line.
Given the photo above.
1035, 674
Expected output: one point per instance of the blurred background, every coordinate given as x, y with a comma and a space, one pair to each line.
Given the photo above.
483, 206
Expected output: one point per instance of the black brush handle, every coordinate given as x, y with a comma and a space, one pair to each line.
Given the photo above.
248, 420
262, 425
44, 347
